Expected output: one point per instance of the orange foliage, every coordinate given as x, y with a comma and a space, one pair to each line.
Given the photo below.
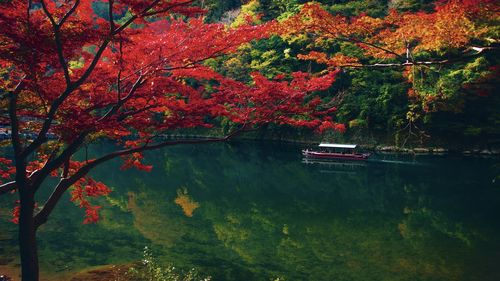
453, 25
337, 60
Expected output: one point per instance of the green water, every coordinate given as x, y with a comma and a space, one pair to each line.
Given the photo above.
262, 213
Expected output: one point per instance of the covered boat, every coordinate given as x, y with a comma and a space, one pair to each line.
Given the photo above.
336, 151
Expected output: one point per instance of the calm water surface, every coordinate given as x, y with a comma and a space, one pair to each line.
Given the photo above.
251, 211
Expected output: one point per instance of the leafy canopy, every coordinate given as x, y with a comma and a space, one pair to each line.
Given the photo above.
129, 71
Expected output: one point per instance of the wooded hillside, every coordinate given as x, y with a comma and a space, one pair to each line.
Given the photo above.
420, 72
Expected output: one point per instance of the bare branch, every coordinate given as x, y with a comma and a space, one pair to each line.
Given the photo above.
148, 147
477, 51
7, 187
347, 38
394, 64
66, 168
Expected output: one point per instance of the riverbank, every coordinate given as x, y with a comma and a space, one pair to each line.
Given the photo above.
101, 273
381, 144
379, 148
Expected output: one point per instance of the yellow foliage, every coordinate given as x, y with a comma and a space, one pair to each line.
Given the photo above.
248, 14
233, 63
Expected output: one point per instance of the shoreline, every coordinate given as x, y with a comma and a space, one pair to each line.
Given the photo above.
379, 148
109, 272
475, 150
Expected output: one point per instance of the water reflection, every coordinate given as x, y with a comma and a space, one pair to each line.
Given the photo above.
249, 211
187, 204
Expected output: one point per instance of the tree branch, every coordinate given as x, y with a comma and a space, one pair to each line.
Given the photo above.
66, 183
134, 17
47, 13
85, 169
167, 9
14, 122
42, 216
69, 13
58, 161
42, 136
477, 51
8, 187
343, 37
134, 112
57, 39
394, 64
138, 83
111, 18
355, 40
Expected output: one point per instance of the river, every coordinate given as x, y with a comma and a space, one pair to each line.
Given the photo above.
255, 211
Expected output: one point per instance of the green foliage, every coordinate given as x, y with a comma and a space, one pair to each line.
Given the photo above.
270, 57
372, 100
217, 8
248, 14
374, 8
279, 8
447, 85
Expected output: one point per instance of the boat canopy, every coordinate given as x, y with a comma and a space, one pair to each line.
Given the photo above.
337, 145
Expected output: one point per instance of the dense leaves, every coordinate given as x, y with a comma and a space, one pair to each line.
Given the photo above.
412, 68
129, 71
440, 52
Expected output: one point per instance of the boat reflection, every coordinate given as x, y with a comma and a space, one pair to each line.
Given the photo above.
333, 166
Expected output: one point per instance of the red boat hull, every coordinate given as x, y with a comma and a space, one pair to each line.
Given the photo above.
339, 156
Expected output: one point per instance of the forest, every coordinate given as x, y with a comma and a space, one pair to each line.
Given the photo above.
448, 101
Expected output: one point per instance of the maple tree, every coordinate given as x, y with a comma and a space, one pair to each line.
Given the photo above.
71, 76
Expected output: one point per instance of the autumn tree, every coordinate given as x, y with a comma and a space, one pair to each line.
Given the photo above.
444, 53
128, 71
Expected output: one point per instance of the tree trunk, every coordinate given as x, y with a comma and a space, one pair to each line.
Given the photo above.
27, 235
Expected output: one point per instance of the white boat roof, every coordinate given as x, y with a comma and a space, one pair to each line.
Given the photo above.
337, 145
